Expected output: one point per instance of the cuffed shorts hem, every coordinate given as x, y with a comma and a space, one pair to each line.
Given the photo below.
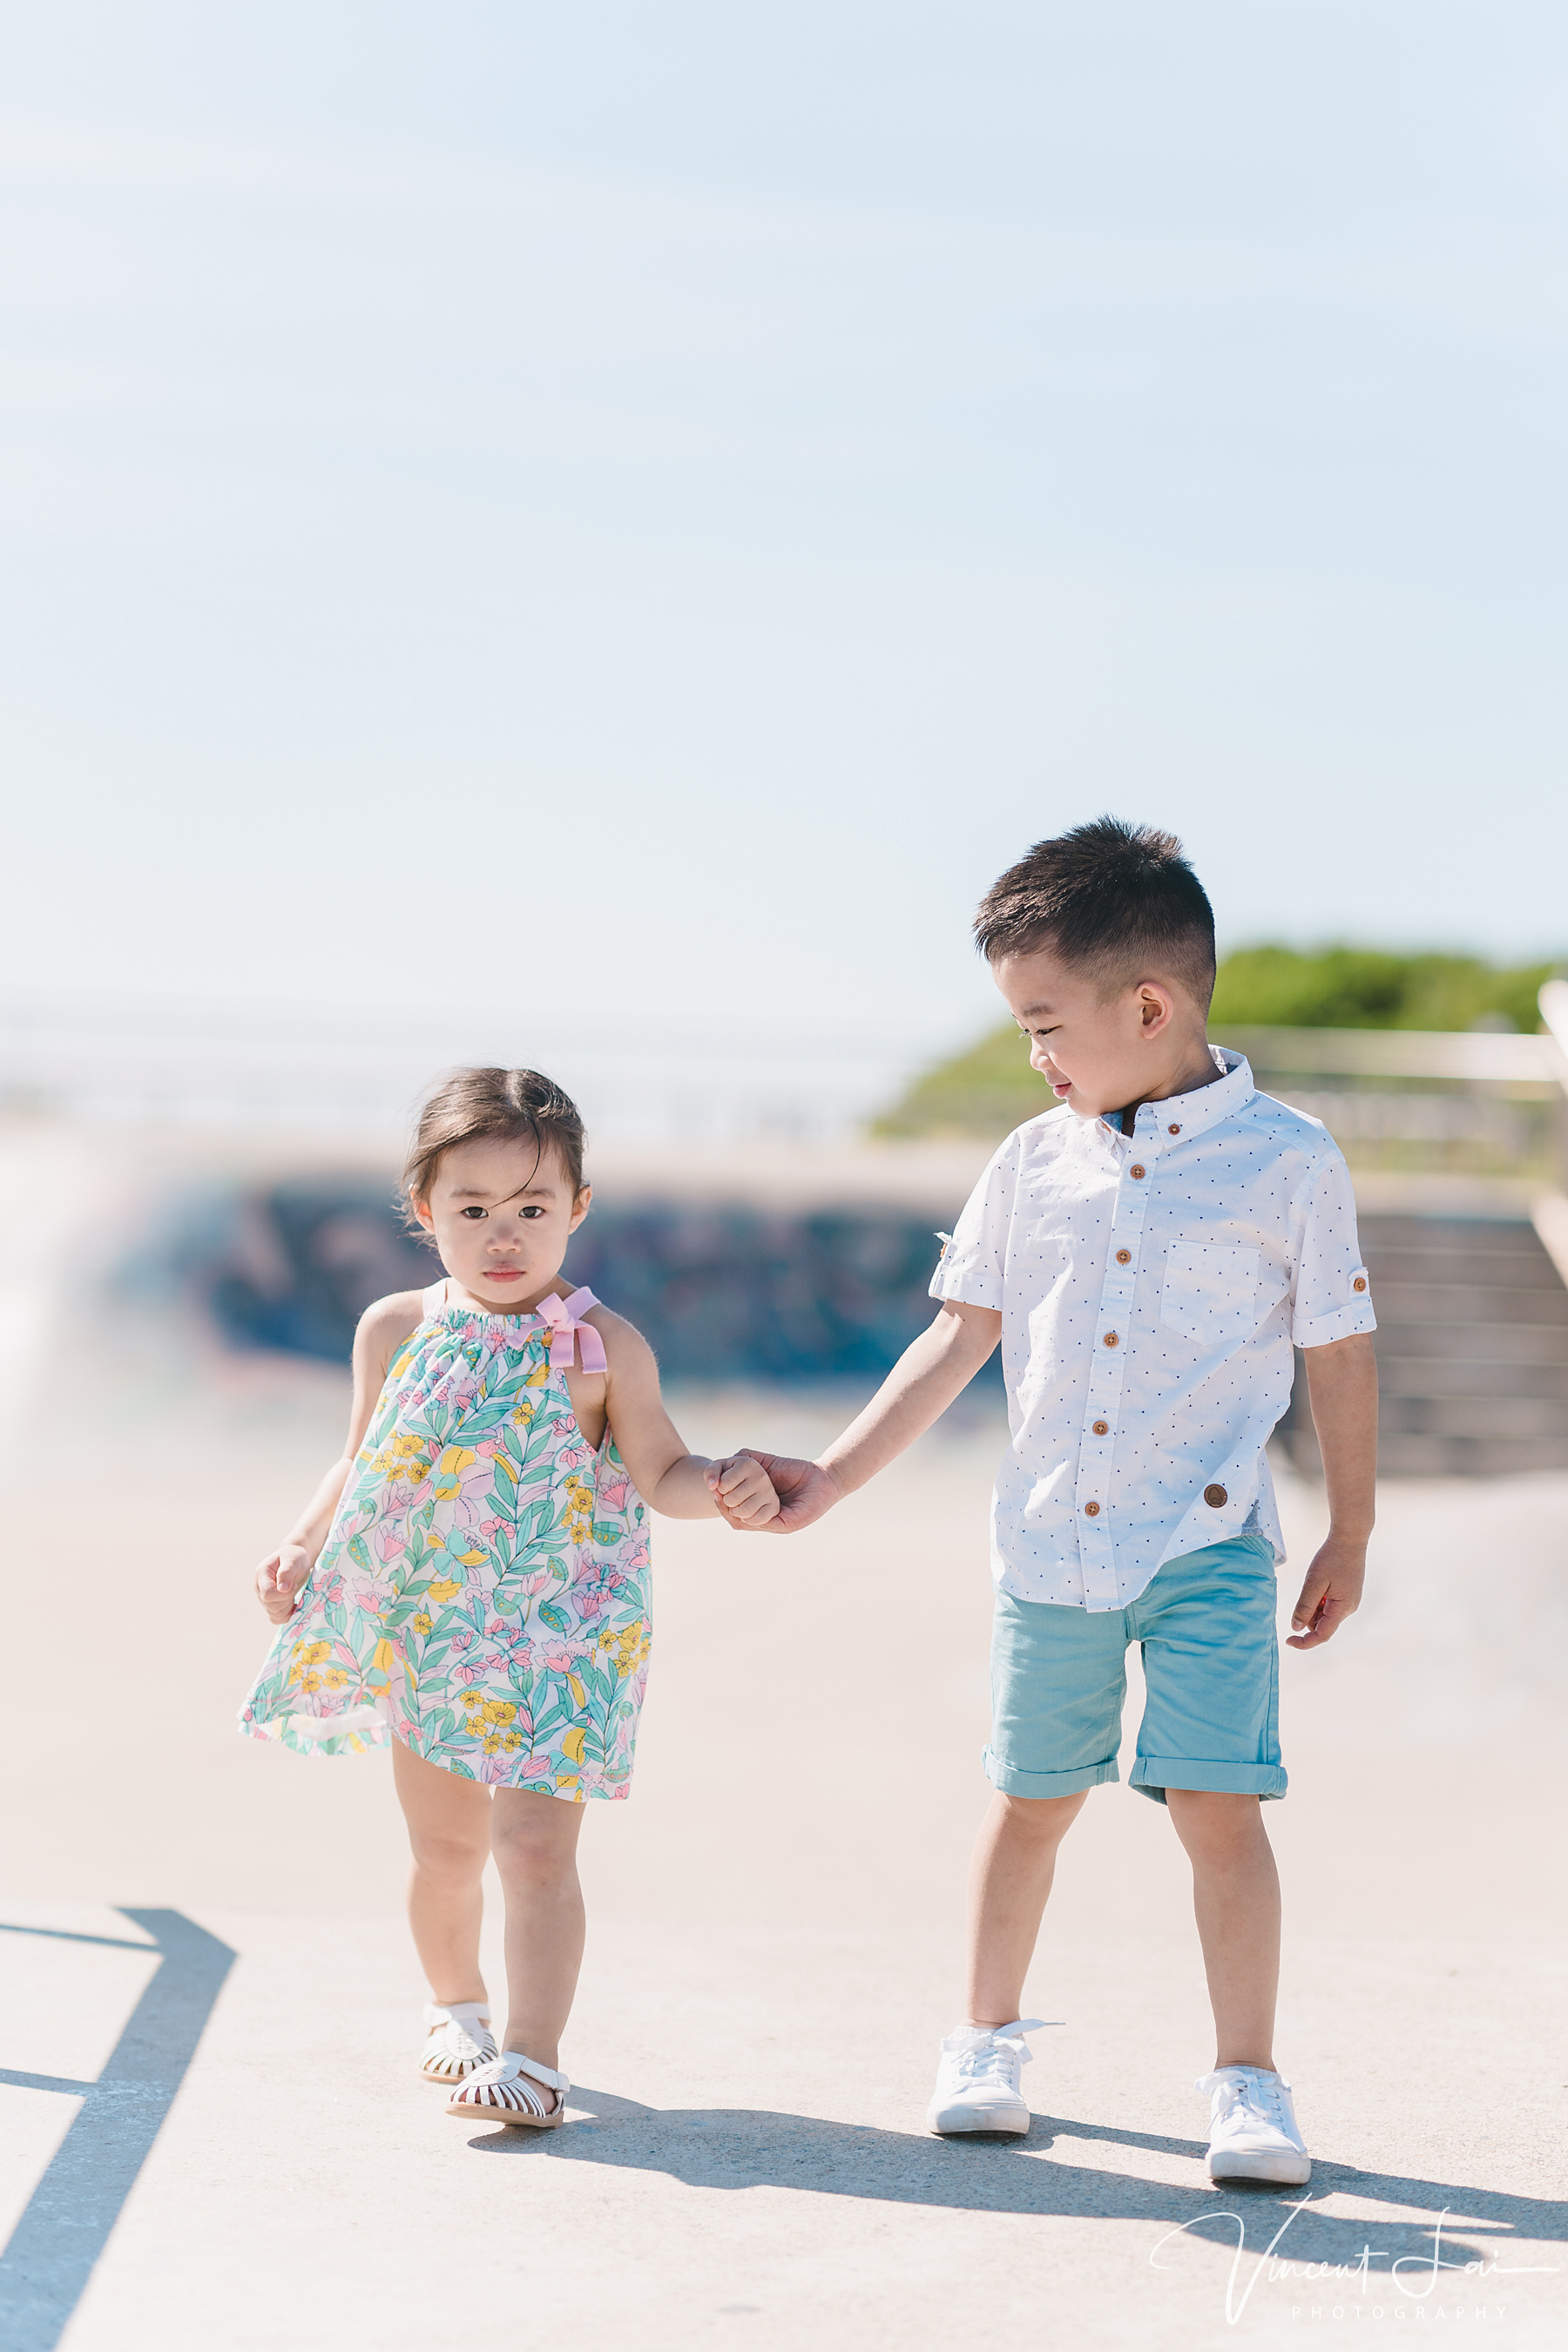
1152, 1775
1015, 1782
1206, 1626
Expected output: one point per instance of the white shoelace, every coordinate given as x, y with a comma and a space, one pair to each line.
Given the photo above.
999, 2058
1247, 2089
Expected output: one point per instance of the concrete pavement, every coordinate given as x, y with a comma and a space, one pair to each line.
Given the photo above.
773, 1943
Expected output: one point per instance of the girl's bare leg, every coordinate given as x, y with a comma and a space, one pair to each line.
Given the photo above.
449, 1830
1009, 1879
534, 1841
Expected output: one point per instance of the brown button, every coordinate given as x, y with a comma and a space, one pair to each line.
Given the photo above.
1092, 1510
1215, 1497
1112, 1339
1100, 1428
1172, 1130
1123, 1257
1137, 1168
1360, 1282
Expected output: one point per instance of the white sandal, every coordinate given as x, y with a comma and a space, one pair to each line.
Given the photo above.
502, 2092
460, 2041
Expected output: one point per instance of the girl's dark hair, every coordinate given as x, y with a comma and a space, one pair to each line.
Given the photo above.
1111, 896
475, 1105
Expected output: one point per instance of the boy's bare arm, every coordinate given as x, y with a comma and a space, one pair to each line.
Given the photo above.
1341, 1382
917, 1390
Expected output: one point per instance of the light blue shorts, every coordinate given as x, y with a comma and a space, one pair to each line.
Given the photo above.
1211, 1664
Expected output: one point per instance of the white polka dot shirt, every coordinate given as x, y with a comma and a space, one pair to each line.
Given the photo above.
1150, 1286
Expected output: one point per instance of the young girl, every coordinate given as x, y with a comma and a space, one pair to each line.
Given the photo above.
471, 1581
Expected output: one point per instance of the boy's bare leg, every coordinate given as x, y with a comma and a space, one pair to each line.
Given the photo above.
534, 1840
449, 1830
1236, 1899
1010, 1876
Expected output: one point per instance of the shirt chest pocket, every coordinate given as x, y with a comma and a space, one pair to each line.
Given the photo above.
1211, 1294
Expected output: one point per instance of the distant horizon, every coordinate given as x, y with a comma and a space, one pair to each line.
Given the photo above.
270, 1016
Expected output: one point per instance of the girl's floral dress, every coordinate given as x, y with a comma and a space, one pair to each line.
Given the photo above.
483, 1593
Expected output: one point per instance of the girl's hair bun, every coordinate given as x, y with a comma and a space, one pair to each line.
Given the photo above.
512, 1106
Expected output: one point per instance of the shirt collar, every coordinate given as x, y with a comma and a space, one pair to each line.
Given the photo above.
1192, 1113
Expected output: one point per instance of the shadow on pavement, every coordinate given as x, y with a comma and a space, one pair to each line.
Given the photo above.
737, 2147
51, 2254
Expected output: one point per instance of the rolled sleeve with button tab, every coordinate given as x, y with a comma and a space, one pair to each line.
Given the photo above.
1150, 1288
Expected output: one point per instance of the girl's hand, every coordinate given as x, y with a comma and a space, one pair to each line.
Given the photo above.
279, 1578
803, 1491
742, 1490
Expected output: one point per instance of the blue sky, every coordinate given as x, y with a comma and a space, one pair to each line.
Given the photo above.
629, 517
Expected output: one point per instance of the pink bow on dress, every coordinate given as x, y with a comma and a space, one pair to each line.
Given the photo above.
564, 1316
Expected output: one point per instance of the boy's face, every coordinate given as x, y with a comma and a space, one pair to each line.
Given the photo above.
1097, 1053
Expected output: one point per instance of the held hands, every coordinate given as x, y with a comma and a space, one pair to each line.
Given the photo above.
742, 1491
797, 1491
1331, 1591
278, 1580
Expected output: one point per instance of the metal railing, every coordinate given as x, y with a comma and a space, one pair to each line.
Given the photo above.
1549, 1210
1470, 1102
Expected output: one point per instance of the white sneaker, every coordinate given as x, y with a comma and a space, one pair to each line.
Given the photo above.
1253, 2131
978, 2079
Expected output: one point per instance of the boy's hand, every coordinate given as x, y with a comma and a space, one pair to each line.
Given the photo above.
278, 1580
1332, 1589
805, 1490
743, 1491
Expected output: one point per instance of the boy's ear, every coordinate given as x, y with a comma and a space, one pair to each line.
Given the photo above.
1156, 1007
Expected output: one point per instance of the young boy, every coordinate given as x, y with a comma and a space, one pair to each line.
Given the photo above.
1146, 1252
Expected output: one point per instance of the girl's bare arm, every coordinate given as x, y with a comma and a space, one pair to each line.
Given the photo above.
381, 1329
673, 1479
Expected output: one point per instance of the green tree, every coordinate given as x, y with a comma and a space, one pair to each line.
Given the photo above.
1366, 987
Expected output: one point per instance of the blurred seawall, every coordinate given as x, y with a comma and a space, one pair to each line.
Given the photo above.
773, 1263
770, 1262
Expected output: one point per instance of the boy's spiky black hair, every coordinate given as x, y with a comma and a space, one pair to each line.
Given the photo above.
1119, 898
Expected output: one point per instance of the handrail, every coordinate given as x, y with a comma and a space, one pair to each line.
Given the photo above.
1537, 1065
1554, 1003
1549, 1210
1502, 1058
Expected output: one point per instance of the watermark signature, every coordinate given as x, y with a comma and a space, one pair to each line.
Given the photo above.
1413, 2277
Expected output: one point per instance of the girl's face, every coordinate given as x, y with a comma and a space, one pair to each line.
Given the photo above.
501, 1221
